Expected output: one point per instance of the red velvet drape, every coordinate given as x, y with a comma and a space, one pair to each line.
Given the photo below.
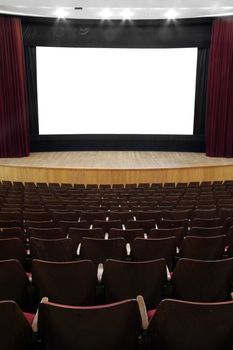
219, 122
14, 127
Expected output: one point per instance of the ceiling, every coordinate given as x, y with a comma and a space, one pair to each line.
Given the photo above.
118, 9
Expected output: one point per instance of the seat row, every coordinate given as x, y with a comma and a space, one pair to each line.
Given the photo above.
175, 325
47, 194
98, 250
113, 229
78, 282
124, 215
19, 184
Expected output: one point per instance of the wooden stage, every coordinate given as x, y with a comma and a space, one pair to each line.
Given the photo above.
116, 167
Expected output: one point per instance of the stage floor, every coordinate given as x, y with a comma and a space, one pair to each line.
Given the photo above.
116, 160
116, 167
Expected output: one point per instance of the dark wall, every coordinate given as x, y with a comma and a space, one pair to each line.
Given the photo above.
138, 34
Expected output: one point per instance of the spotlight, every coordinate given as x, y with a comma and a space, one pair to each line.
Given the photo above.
60, 13
126, 14
105, 14
171, 14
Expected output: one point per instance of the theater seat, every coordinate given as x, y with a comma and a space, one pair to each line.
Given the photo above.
76, 234
203, 248
126, 279
110, 327
180, 325
13, 232
71, 283
46, 233
202, 280
12, 248
129, 234
14, 283
154, 248
15, 330
98, 250
53, 249
177, 232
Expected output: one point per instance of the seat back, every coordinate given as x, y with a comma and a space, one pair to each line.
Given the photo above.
37, 216
46, 233
129, 234
203, 222
168, 223
13, 232
146, 225
107, 225
64, 216
124, 280
204, 213
203, 248
98, 250
10, 215
124, 216
111, 327
13, 282
76, 234
71, 283
185, 325
15, 329
148, 214
177, 232
39, 224
202, 280
206, 231
12, 248
91, 216
177, 214
53, 249
10, 223
154, 248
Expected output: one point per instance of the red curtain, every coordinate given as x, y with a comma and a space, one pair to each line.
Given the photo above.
14, 127
219, 122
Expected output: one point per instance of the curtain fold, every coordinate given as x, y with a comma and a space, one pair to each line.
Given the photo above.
14, 128
30, 61
201, 91
219, 120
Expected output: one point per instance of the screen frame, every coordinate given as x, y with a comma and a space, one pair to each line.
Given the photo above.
183, 33
158, 84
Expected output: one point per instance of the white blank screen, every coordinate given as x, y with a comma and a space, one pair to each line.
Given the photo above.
116, 91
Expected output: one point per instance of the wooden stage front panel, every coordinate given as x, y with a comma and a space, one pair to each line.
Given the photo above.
116, 167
